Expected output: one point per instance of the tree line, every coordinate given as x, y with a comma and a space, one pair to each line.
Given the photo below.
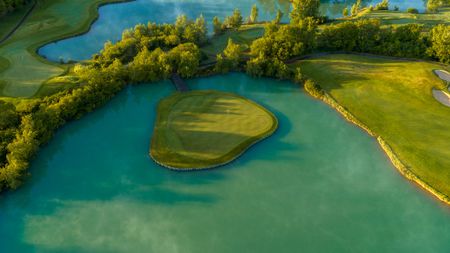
145, 53
7, 6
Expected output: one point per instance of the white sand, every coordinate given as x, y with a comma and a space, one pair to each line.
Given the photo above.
442, 97
442, 74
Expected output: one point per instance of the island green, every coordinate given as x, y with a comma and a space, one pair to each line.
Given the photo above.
205, 129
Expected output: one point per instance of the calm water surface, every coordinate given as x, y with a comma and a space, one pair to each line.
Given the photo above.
117, 17
318, 185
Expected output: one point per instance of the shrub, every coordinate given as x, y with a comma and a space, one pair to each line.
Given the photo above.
298, 77
229, 59
440, 46
384, 5
412, 11
345, 12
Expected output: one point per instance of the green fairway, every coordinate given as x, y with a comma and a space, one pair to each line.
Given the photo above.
205, 129
403, 18
22, 71
393, 98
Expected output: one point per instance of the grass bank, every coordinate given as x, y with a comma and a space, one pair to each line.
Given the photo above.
402, 18
22, 71
206, 129
392, 100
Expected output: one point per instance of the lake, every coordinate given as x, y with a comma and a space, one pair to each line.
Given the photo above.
115, 18
319, 184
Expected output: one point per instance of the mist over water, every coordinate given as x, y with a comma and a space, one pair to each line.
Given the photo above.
115, 18
319, 184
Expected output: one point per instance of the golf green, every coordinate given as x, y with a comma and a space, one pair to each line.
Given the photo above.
205, 129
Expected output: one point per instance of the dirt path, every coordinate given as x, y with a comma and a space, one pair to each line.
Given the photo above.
8, 35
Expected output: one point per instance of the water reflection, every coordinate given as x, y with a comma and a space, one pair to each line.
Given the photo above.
115, 18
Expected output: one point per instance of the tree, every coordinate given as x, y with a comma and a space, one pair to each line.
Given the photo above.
202, 29
440, 43
185, 59
345, 12
354, 9
234, 21
278, 18
384, 5
433, 5
254, 14
304, 8
217, 26
8, 116
229, 59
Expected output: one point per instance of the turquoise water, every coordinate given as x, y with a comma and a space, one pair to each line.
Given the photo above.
319, 184
115, 18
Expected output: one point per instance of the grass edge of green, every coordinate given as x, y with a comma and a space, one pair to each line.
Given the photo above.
393, 157
230, 156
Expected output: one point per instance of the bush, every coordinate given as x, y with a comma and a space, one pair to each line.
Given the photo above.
367, 36
234, 21
412, 11
384, 5
229, 59
440, 46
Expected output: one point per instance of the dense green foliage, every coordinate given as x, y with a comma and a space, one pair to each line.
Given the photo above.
278, 17
383, 5
433, 5
302, 9
234, 21
440, 43
7, 6
153, 36
145, 53
9, 120
229, 59
412, 10
355, 7
279, 44
368, 36
253, 15
345, 12
217, 26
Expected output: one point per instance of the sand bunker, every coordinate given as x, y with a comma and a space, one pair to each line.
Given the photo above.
442, 97
439, 95
442, 74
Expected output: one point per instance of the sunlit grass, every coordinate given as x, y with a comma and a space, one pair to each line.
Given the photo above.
402, 18
51, 20
394, 99
203, 129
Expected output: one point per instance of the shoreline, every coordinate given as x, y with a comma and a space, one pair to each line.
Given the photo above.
393, 157
258, 139
94, 15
